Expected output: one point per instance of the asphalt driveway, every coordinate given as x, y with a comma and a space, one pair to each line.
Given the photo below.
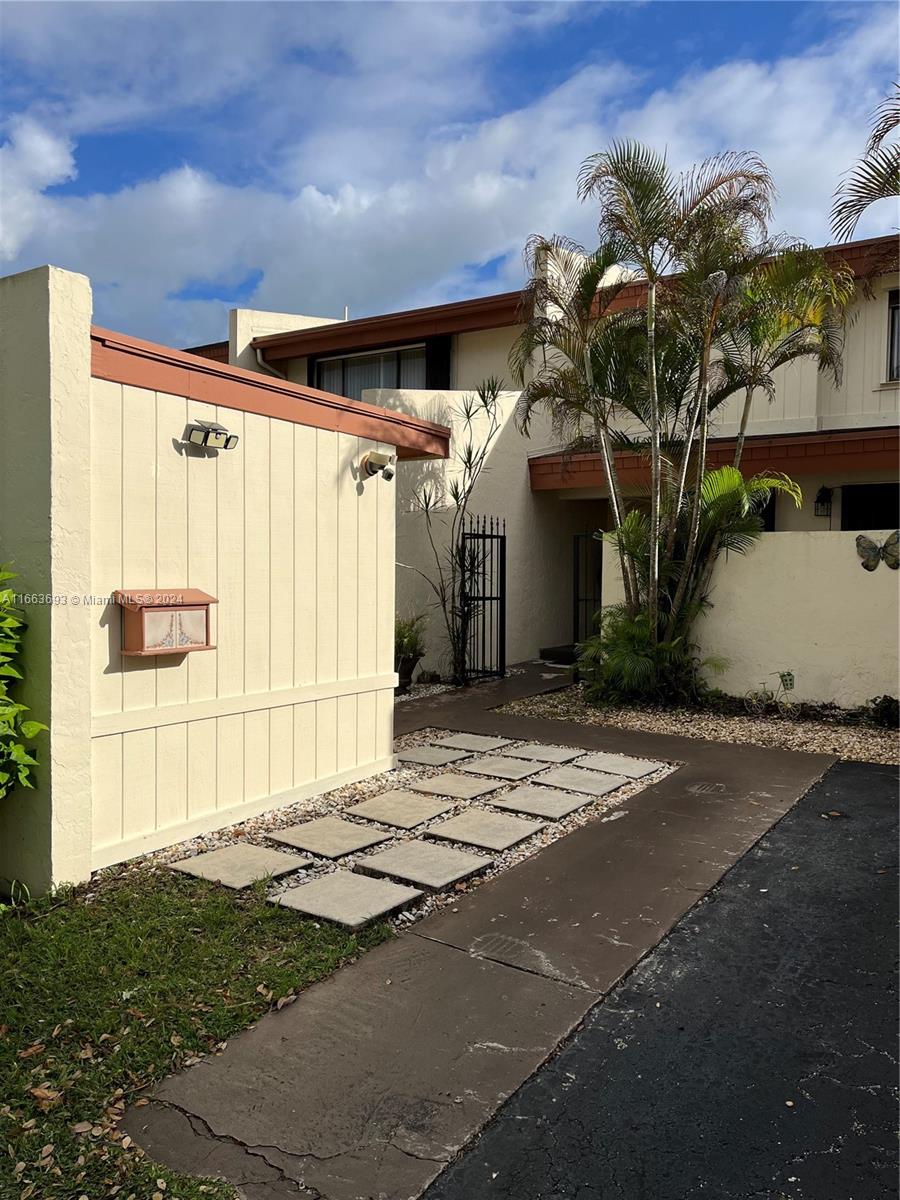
751, 1054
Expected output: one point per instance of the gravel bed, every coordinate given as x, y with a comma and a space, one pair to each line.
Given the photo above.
864, 743
334, 803
421, 691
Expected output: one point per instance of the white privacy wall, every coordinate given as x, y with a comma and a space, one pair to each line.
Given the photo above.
297, 696
799, 601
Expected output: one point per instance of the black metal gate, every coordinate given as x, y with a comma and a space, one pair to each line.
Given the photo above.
587, 580
482, 559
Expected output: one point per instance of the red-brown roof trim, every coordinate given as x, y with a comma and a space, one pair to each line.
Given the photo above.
484, 312
793, 453
130, 360
464, 316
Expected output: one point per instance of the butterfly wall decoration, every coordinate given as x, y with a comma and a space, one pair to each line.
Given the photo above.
872, 554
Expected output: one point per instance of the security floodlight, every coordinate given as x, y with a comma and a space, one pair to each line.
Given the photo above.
375, 463
212, 436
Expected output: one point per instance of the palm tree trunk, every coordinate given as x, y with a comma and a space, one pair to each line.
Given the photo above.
703, 423
682, 473
629, 579
655, 456
742, 432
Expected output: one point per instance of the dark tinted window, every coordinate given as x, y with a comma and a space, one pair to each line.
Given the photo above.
894, 334
870, 506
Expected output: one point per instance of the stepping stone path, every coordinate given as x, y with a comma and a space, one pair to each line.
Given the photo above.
240, 865
329, 837
489, 830
460, 787
425, 864
619, 764
540, 801
431, 756
475, 742
544, 754
348, 899
496, 766
404, 809
354, 898
576, 779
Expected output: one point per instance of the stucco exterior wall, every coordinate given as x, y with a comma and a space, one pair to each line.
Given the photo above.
478, 356
245, 324
298, 695
799, 602
539, 528
45, 318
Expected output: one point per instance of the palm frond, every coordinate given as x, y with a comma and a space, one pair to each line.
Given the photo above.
875, 177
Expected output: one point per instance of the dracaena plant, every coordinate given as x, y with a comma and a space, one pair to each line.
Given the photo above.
17, 733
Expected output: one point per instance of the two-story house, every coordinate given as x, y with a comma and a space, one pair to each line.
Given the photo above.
840, 442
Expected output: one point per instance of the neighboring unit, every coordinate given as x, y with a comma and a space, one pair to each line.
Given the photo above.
840, 442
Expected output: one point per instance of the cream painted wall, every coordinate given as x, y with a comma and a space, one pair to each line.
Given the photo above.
245, 324
808, 400
45, 318
477, 356
539, 528
298, 695
799, 602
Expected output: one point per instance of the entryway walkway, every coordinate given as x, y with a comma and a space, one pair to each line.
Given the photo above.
375, 1079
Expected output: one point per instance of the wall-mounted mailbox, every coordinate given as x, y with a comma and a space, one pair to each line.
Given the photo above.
164, 622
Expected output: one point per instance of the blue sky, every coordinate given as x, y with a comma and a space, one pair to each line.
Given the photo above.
300, 157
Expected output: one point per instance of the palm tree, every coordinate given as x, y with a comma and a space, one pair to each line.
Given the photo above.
654, 215
877, 174
791, 307
571, 359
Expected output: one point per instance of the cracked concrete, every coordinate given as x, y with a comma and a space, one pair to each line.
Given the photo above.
377, 1078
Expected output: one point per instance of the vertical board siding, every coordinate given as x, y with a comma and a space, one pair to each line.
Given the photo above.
299, 551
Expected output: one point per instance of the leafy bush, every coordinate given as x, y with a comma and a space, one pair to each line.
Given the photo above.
884, 710
16, 756
623, 662
409, 641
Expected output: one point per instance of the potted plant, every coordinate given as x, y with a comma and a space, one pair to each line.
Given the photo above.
409, 648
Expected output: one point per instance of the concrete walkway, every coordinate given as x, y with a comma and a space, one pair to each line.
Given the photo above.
752, 1053
375, 1079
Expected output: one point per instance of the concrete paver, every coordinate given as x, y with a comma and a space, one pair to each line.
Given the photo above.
401, 808
347, 898
545, 754
540, 801
425, 864
240, 865
460, 787
577, 779
473, 741
329, 837
497, 766
489, 830
618, 764
431, 756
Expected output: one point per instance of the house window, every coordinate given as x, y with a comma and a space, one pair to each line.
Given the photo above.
870, 505
893, 335
351, 374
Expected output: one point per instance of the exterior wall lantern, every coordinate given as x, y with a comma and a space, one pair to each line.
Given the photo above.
210, 435
822, 507
164, 622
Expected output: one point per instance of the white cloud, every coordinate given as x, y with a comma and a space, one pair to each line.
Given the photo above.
375, 177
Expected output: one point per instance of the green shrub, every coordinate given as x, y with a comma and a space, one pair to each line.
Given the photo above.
622, 662
16, 756
409, 641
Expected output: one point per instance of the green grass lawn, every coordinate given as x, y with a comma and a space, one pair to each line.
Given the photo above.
104, 991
